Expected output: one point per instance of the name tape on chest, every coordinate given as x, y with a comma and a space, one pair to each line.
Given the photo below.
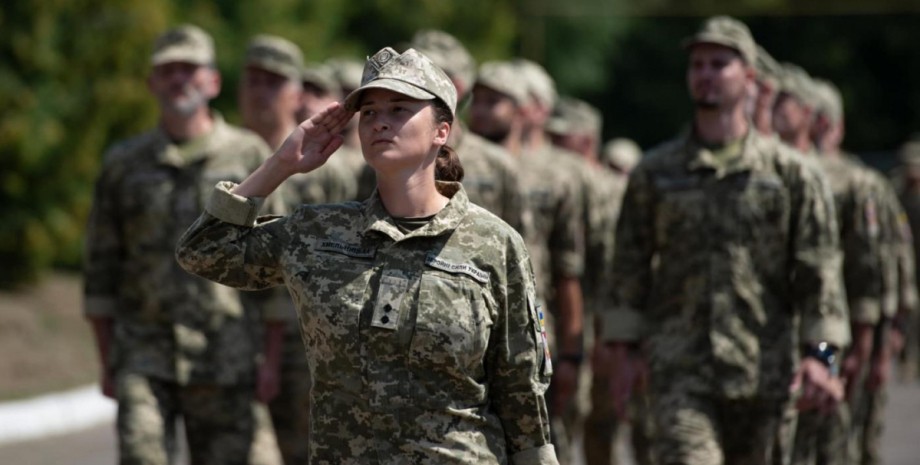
434, 261
346, 249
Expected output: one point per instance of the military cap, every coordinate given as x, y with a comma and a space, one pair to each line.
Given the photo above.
448, 53
186, 44
621, 153
828, 99
796, 82
574, 116
323, 78
728, 32
502, 77
909, 154
275, 54
766, 66
347, 71
540, 85
409, 73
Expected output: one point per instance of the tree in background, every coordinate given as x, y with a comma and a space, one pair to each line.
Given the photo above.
72, 75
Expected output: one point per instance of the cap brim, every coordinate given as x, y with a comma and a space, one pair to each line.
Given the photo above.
710, 39
180, 56
290, 72
395, 85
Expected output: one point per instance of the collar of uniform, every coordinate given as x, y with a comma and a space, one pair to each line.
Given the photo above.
190, 151
701, 158
377, 219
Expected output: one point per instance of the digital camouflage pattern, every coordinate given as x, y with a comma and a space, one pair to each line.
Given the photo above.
424, 347
490, 178
331, 183
186, 43
725, 272
275, 54
223, 424
409, 73
172, 329
728, 32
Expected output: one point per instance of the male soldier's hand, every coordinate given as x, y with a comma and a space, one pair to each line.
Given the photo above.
268, 378
565, 384
815, 387
626, 372
858, 356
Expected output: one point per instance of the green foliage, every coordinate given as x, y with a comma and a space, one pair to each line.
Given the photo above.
72, 75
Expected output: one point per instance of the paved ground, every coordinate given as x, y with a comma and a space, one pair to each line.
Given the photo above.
96, 446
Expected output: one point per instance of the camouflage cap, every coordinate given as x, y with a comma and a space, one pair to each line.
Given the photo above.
410, 73
796, 82
347, 71
728, 32
574, 116
540, 85
909, 154
621, 153
186, 43
448, 53
275, 54
767, 67
828, 99
502, 77
323, 78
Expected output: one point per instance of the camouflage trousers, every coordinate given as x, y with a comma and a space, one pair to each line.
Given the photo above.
694, 429
865, 436
821, 439
602, 429
290, 410
223, 424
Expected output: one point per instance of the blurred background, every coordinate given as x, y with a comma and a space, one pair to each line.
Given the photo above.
72, 75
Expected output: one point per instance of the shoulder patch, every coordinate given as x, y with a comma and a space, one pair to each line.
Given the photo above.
436, 262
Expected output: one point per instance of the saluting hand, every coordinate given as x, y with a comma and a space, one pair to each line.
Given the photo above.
314, 140
306, 149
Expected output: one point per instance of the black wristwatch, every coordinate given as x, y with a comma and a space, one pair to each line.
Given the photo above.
824, 353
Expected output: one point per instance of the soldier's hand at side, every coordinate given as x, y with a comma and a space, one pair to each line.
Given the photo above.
565, 383
314, 140
268, 383
625, 370
817, 389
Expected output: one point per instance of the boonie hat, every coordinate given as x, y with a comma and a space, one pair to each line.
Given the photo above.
409, 73
185, 43
502, 77
448, 53
728, 32
574, 116
275, 54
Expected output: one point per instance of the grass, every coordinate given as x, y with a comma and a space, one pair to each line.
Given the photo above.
45, 343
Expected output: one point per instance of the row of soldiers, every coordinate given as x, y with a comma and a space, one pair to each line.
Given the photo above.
532, 158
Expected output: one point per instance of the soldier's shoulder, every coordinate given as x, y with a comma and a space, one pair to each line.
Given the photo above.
483, 223
127, 150
240, 138
664, 154
474, 143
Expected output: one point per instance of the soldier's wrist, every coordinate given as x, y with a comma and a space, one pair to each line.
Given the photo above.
826, 353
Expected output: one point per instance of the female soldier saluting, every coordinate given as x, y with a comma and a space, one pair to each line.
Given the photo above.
417, 307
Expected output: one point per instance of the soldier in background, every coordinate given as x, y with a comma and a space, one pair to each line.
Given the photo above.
490, 177
272, 96
767, 80
173, 345
347, 75
907, 184
621, 155
576, 126
726, 275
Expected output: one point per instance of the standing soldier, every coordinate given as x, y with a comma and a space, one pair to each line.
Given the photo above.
726, 274
173, 345
271, 96
907, 182
347, 74
490, 177
767, 80
576, 126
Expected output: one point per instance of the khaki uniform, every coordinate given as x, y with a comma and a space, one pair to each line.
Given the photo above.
176, 337
724, 270
822, 438
424, 347
490, 178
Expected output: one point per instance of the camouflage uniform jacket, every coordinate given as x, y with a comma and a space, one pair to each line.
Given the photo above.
898, 253
605, 191
491, 179
727, 269
554, 196
332, 183
167, 323
856, 202
424, 347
